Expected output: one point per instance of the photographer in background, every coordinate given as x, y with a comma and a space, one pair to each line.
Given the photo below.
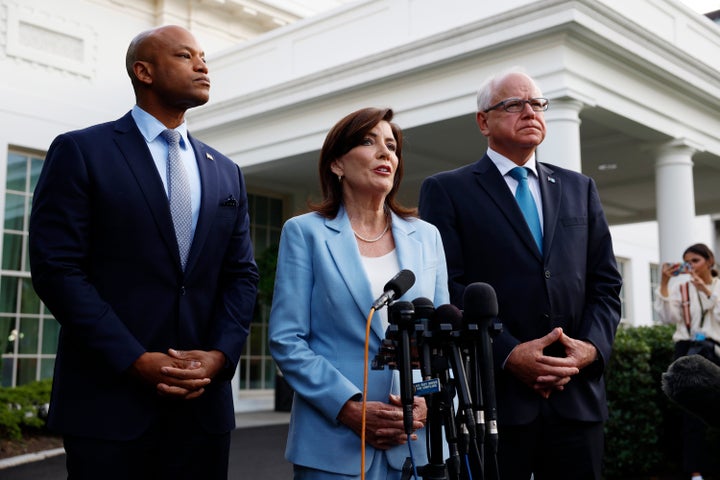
689, 297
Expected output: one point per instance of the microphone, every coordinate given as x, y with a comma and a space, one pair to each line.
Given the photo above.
693, 382
396, 287
402, 314
481, 307
450, 314
424, 311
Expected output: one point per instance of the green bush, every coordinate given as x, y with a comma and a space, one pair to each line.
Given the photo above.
23, 408
641, 434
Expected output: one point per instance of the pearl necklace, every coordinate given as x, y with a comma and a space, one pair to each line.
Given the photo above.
373, 240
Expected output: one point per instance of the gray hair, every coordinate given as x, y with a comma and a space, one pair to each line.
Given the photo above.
489, 86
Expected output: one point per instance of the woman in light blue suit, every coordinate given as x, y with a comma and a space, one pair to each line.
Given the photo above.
332, 264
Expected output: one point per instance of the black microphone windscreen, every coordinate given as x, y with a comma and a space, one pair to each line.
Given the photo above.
400, 283
424, 307
447, 313
693, 382
479, 301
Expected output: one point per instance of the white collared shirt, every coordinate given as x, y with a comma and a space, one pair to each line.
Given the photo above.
504, 165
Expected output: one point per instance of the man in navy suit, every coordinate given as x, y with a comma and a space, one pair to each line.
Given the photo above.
150, 336
558, 292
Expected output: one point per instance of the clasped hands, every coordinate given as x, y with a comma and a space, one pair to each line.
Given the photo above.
384, 427
544, 373
180, 374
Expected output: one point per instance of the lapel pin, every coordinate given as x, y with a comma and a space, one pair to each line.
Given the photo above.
551, 179
209, 156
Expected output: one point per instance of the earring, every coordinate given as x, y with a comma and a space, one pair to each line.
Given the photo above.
340, 177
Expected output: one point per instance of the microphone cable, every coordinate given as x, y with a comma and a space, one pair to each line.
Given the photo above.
364, 397
363, 421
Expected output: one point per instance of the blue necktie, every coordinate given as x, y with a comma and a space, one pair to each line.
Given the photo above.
178, 195
527, 204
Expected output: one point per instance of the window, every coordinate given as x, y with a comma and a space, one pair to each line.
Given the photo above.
622, 265
28, 332
654, 284
257, 368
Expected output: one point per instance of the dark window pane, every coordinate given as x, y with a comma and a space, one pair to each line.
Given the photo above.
276, 212
255, 366
16, 171
7, 337
242, 373
14, 211
12, 251
261, 211
274, 237
261, 239
269, 373
26, 267
8, 294
51, 332
6, 369
35, 168
29, 302
47, 365
27, 370
29, 335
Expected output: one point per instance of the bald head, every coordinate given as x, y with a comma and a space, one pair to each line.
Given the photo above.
168, 72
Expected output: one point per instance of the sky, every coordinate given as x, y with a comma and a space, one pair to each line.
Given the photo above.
703, 6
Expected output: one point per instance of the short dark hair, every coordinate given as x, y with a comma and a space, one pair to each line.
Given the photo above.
345, 135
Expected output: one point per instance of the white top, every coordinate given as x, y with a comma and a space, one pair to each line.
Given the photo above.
670, 309
379, 271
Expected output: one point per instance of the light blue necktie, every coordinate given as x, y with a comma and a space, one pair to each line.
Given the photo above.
527, 203
178, 195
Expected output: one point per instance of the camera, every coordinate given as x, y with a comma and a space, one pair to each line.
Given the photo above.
683, 267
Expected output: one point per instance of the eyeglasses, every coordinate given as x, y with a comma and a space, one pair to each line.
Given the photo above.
516, 105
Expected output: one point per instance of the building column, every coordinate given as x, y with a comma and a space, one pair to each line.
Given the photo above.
675, 199
561, 146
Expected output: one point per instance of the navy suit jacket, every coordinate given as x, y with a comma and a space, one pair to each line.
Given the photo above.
106, 263
574, 284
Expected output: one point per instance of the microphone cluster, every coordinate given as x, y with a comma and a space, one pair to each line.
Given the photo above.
453, 351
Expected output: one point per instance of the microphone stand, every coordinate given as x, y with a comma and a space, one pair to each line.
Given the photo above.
467, 421
476, 390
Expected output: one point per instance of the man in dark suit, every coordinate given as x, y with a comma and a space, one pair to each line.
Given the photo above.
557, 284
154, 307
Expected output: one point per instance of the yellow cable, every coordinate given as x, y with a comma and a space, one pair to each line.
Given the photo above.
364, 397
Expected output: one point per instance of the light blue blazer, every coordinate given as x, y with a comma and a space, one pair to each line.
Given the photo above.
317, 331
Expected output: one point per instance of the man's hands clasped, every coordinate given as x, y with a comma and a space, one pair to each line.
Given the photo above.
179, 374
544, 373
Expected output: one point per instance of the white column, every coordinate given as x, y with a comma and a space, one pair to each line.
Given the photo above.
675, 199
561, 146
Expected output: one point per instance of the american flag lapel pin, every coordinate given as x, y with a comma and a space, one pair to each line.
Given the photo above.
551, 179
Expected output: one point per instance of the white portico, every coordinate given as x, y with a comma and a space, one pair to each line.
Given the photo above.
634, 91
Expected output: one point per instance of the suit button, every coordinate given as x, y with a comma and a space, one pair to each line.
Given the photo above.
547, 273
182, 290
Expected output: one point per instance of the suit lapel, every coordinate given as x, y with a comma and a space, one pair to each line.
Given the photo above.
345, 254
551, 190
489, 178
137, 155
208, 199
